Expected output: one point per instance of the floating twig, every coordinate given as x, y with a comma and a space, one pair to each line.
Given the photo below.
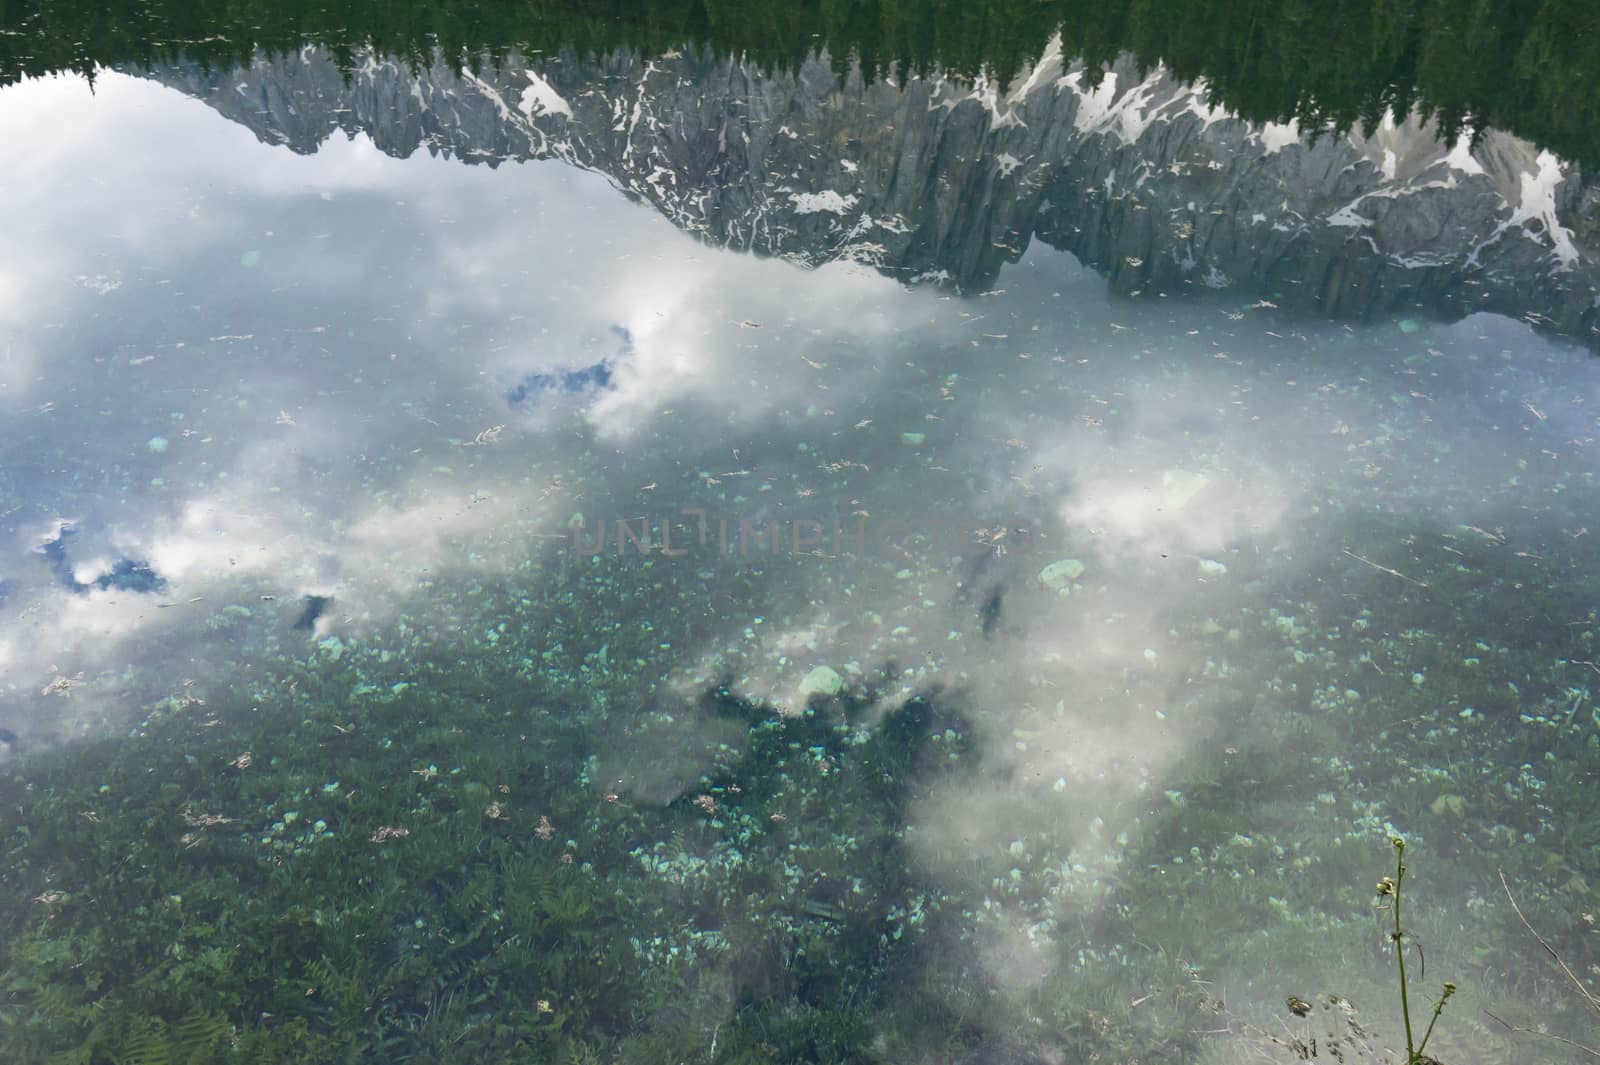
1384, 569
1549, 949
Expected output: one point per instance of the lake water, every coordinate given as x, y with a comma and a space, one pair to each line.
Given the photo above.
650, 555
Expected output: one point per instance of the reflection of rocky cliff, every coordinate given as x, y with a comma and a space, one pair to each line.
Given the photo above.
934, 180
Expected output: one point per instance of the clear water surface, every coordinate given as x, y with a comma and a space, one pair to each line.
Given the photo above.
490, 613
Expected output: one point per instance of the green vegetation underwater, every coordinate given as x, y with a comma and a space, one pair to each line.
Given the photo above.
848, 531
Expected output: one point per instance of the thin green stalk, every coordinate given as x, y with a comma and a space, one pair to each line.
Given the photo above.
1438, 1008
1399, 947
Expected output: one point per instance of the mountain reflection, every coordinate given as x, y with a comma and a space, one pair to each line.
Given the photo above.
936, 139
934, 180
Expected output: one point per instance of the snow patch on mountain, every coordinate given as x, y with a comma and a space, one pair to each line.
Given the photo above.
541, 98
826, 202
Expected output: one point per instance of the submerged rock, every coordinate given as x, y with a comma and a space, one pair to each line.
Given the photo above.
821, 681
1060, 574
1178, 487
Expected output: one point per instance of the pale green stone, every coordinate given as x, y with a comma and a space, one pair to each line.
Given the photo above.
1178, 487
1061, 573
821, 681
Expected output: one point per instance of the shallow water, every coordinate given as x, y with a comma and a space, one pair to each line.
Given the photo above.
459, 612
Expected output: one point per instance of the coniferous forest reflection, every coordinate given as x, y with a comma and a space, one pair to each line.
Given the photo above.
1524, 66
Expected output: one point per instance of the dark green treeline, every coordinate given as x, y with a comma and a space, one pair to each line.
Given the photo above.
1531, 67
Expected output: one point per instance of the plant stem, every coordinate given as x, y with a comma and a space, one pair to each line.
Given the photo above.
1400, 949
1437, 1009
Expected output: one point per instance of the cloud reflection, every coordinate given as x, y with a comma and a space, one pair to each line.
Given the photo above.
289, 395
